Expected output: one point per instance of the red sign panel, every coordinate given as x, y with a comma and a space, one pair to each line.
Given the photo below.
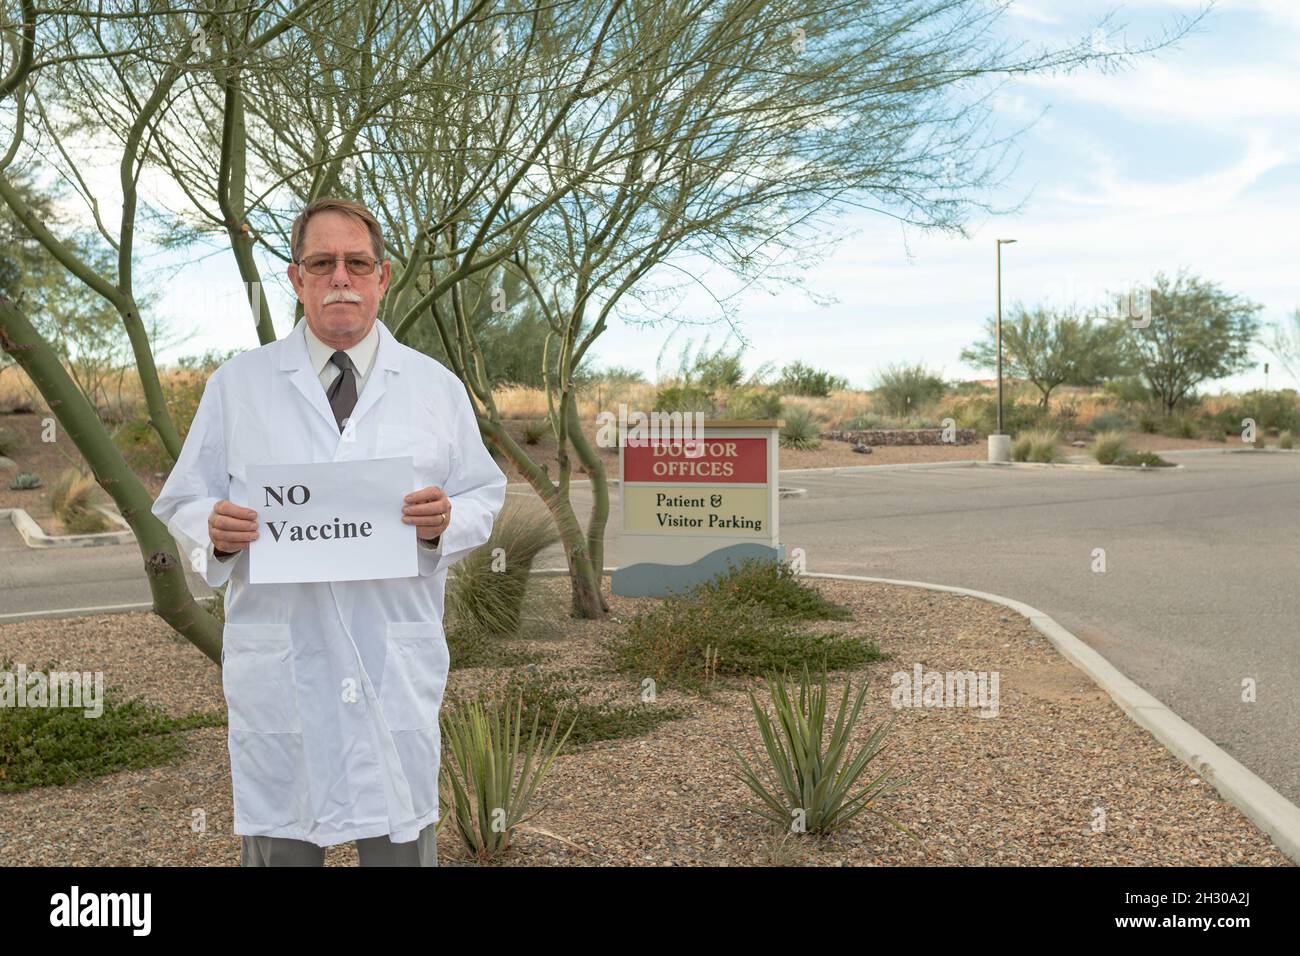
707, 460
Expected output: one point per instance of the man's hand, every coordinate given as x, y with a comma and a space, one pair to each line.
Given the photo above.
429, 510
231, 527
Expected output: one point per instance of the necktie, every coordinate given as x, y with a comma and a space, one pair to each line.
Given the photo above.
342, 392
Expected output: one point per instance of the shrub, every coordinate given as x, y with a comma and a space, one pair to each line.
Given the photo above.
70, 500
810, 772
685, 398
140, 445
687, 642
489, 781
1036, 446
1180, 426
594, 715
800, 379
55, 746
1110, 421
1109, 446
1148, 421
800, 429
10, 441
981, 414
25, 481
1285, 440
485, 590
904, 389
534, 431
754, 403
867, 421
1143, 459
773, 585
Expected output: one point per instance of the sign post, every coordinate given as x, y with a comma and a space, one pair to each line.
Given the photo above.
691, 506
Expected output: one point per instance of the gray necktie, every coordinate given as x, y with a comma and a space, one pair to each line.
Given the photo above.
342, 392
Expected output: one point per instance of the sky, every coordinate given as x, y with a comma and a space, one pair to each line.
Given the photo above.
1186, 158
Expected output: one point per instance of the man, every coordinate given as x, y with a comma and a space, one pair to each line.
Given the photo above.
333, 689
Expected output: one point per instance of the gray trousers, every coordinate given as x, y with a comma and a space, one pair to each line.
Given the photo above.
373, 851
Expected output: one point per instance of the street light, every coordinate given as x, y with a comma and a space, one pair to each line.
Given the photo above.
1000, 450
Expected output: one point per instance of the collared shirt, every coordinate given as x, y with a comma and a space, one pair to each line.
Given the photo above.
362, 355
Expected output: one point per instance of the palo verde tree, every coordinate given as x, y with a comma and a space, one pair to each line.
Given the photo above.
602, 151
1197, 333
1049, 348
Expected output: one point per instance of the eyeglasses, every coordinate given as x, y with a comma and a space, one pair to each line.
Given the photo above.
323, 265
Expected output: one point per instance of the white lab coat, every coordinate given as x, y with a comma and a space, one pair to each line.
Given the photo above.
333, 689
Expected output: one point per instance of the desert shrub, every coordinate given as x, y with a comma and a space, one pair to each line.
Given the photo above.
618, 375
809, 772
1111, 420
1130, 390
685, 398
773, 585
903, 389
10, 441
800, 429
686, 642
1271, 410
800, 379
754, 403
867, 421
1109, 446
485, 590
70, 500
140, 445
1285, 440
1148, 421
981, 414
1180, 426
534, 431
1039, 445
595, 715
54, 746
1143, 459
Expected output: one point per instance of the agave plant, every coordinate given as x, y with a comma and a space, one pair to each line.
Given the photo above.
806, 783
489, 774
24, 482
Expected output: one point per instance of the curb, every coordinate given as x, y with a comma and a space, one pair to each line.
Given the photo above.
1258, 802
1080, 466
34, 537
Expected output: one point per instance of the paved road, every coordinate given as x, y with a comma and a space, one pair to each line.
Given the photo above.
1198, 594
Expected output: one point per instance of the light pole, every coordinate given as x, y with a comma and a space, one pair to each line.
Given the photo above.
999, 443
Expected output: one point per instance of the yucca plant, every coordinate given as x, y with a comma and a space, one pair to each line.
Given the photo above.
490, 774
71, 504
1109, 447
799, 428
808, 776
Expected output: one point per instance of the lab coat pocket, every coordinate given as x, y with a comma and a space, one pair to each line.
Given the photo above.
415, 675
257, 676
429, 452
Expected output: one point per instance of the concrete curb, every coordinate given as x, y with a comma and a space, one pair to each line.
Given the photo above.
1259, 802
1080, 466
34, 537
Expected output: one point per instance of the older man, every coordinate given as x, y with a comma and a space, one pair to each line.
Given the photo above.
333, 689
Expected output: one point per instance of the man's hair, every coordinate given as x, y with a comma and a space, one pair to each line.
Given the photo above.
345, 206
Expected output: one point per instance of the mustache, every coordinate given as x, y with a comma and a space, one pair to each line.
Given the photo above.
341, 295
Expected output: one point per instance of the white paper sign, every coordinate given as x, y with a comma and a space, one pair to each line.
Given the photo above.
331, 521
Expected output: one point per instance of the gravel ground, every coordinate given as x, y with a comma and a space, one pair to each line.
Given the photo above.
1022, 788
